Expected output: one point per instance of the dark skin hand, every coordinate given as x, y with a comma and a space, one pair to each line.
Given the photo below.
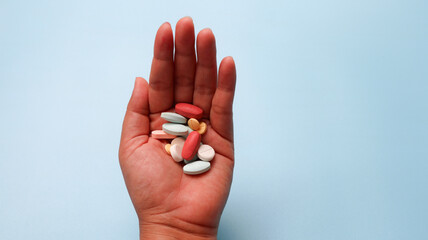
169, 203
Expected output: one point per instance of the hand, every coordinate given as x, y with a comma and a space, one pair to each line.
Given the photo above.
169, 203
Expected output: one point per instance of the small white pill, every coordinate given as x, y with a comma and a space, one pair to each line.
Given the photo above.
178, 140
196, 167
176, 152
173, 117
206, 152
175, 129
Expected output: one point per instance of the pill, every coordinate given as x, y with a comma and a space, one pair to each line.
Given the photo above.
193, 124
178, 140
196, 167
191, 145
176, 152
173, 117
206, 153
188, 110
202, 128
167, 148
159, 134
175, 129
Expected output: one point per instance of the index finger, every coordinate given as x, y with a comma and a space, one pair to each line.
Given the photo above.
161, 91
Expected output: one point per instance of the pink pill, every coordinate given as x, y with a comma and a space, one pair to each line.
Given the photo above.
160, 134
189, 110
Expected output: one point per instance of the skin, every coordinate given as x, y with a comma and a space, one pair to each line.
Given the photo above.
169, 203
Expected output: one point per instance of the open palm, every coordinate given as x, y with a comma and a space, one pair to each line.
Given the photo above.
168, 201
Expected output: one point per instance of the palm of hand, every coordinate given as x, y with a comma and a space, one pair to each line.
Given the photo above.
160, 191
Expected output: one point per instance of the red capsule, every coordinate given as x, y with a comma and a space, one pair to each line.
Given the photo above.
188, 110
191, 145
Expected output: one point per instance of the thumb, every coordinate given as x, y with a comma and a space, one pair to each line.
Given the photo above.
136, 121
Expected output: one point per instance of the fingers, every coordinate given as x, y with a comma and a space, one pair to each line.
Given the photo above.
136, 122
221, 110
185, 60
161, 91
173, 81
206, 71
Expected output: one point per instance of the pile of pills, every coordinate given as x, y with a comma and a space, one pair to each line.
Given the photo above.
185, 131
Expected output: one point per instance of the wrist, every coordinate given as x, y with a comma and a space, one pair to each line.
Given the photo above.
167, 231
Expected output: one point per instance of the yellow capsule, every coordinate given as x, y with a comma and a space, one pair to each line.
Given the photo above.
167, 148
202, 128
193, 124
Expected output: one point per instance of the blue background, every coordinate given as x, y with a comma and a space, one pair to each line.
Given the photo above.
331, 115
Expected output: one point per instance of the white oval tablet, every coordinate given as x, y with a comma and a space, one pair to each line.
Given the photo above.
196, 167
178, 140
175, 129
206, 152
173, 117
176, 152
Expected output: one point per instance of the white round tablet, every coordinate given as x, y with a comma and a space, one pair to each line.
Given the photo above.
206, 152
176, 152
178, 140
